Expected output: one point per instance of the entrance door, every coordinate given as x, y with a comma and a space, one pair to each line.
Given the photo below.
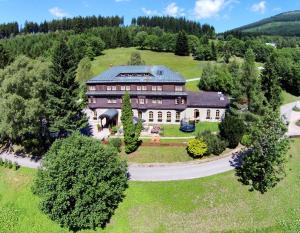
140, 115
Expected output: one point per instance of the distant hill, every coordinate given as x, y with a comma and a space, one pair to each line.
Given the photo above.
284, 24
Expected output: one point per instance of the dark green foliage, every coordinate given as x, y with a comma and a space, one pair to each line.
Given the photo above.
232, 129
131, 131
182, 44
22, 102
214, 53
64, 110
216, 78
4, 57
172, 24
271, 85
216, 145
116, 143
251, 88
81, 183
16, 166
139, 39
136, 59
263, 166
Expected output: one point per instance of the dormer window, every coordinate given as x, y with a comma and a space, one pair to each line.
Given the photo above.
108, 88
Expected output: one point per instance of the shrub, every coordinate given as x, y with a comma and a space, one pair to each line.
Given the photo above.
196, 148
116, 143
232, 129
246, 140
1, 162
114, 129
215, 144
16, 166
5, 163
9, 164
81, 183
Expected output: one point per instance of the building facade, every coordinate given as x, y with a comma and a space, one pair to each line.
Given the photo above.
158, 96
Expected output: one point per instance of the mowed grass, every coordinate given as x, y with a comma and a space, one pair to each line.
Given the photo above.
289, 98
213, 204
158, 154
186, 66
173, 130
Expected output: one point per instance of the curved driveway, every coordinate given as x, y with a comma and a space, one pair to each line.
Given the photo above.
167, 172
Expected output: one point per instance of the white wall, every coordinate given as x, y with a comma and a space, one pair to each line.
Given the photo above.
188, 113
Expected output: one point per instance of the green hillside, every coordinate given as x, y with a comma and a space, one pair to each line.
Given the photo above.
284, 24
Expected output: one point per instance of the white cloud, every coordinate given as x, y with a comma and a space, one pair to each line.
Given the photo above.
58, 12
173, 10
149, 12
210, 8
259, 7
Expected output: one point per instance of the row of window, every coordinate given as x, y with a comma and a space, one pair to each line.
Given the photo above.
138, 88
138, 101
208, 114
160, 117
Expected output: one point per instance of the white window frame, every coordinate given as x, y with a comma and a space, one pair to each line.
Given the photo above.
127, 88
138, 88
113, 88
154, 88
123, 88
144, 88
159, 88
108, 88
178, 88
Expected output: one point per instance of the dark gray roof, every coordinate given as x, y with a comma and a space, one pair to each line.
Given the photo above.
156, 74
110, 114
207, 99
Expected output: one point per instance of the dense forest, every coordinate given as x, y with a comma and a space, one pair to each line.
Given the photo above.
174, 25
78, 24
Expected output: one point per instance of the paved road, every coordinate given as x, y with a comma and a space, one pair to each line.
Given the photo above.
166, 172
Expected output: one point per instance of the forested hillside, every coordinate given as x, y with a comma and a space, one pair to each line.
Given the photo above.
284, 24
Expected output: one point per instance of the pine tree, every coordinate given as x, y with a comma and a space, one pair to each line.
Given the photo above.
4, 57
214, 55
270, 84
64, 110
131, 131
182, 45
251, 85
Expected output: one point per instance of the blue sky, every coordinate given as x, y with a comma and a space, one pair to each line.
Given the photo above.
222, 14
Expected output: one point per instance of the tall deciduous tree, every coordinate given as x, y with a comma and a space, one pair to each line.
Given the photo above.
270, 84
263, 166
4, 57
64, 110
182, 44
22, 98
81, 183
131, 131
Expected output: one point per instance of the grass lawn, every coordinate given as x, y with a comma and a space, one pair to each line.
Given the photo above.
158, 154
164, 154
186, 66
173, 130
213, 204
289, 98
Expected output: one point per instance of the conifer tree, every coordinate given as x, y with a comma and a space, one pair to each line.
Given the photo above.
270, 84
64, 110
214, 55
131, 131
4, 57
182, 45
